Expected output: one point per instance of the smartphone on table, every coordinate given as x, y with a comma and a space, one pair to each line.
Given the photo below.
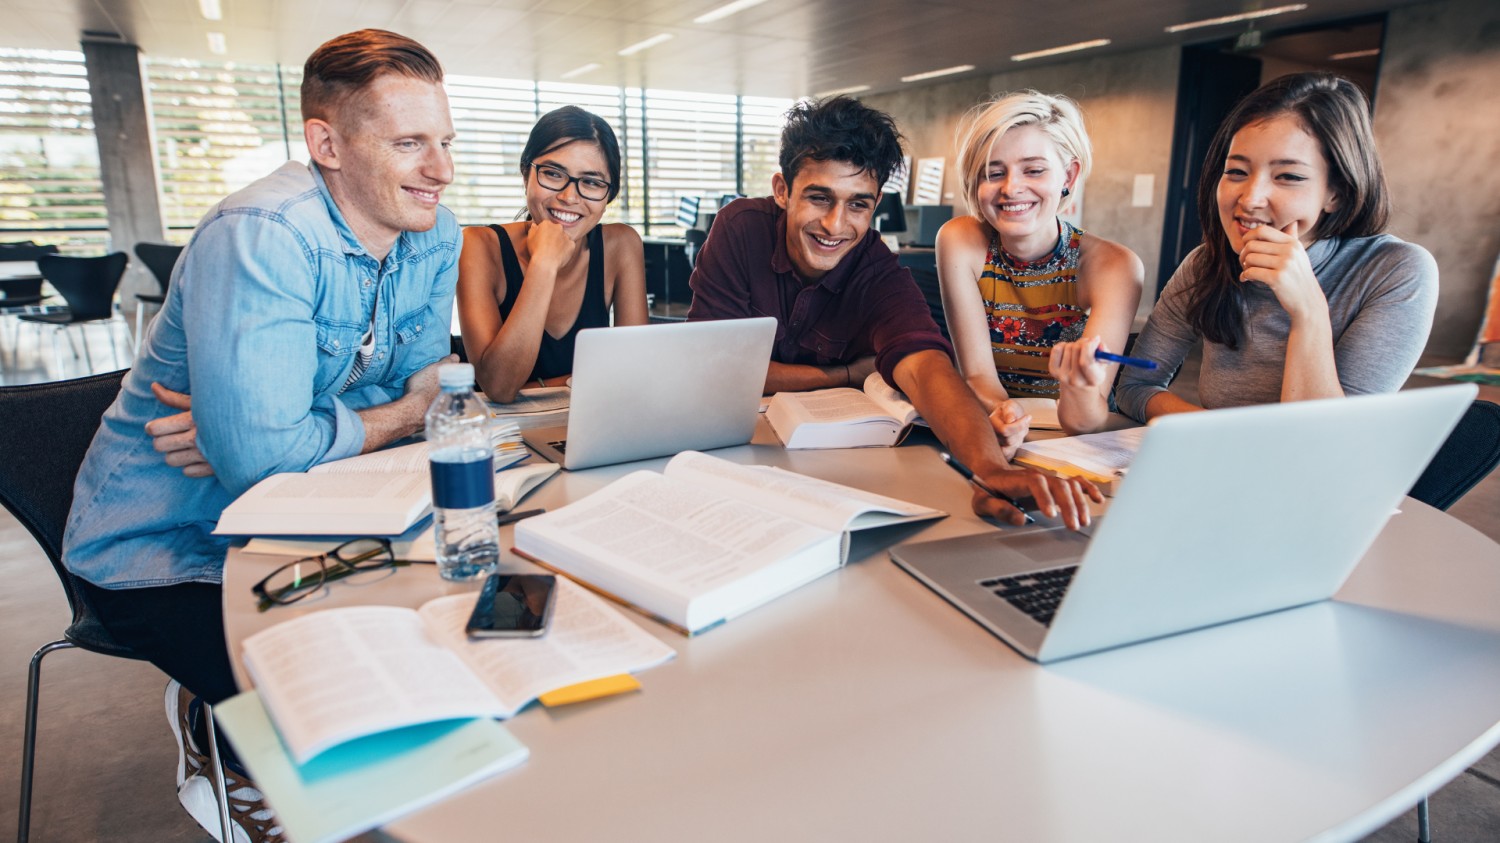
513, 606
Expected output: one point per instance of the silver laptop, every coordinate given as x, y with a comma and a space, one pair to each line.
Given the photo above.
652, 390
1222, 516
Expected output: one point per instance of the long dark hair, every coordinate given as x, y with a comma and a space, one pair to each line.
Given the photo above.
1336, 113
568, 124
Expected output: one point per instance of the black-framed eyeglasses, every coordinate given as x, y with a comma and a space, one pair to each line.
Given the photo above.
295, 580
556, 180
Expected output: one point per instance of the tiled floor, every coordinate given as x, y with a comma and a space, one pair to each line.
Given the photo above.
107, 759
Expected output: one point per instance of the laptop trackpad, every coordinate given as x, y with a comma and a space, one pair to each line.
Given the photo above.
1049, 547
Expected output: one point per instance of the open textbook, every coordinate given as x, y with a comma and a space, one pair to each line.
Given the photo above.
376, 494
335, 675
877, 416
1101, 458
706, 539
545, 406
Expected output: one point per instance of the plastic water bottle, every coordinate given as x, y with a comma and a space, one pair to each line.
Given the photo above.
463, 477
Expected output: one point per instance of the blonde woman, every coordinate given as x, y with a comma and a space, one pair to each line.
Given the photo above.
1029, 297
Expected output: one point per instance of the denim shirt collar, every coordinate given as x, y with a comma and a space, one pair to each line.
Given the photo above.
352, 246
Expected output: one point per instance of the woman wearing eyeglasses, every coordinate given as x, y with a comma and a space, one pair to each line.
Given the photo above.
526, 288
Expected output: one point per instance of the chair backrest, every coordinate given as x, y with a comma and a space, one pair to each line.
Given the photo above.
47, 431
87, 284
1469, 454
159, 258
24, 251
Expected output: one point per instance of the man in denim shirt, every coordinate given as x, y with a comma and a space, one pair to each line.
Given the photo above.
305, 319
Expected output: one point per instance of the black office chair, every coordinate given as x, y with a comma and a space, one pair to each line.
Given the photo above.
88, 285
26, 290
695, 238
52, 424
159, 258
1468, 455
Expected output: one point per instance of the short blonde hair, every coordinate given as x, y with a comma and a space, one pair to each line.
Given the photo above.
1057, 116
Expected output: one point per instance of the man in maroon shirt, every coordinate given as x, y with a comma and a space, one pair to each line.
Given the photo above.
843, 305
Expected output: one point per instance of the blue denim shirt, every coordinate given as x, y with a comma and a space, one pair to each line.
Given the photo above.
262, 325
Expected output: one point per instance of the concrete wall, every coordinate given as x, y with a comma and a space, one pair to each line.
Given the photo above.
1128, 101
1437, 125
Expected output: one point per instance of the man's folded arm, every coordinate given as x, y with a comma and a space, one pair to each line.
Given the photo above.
252, 343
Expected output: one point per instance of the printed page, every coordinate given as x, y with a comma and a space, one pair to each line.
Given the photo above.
828, 405
675, 551
336, 504
338, 674
586, 640
891, 400
405, 459
830, 506
1043, 412
1106, 455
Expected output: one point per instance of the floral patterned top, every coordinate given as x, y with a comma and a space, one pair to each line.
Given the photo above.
1030, 306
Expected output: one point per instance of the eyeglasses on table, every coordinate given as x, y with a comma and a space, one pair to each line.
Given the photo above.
295, 580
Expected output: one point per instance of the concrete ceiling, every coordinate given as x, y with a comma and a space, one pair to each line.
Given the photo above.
782, 48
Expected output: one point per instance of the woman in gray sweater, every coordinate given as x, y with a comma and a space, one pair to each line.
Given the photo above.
1295, 292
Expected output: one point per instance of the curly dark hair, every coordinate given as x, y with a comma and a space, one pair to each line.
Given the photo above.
840, 129
1335, 112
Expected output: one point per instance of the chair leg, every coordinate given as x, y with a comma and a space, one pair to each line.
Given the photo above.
1424, 827
28, 752
220, 788
88, 358
140, 310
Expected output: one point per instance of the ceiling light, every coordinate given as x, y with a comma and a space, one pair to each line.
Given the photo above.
726, 10
211, 9
579, 71
933, 74
647, 44
852, 89
1263, 13
217, 44
1357, 54
1057, 51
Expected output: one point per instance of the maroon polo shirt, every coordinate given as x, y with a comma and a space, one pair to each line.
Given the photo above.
868, 304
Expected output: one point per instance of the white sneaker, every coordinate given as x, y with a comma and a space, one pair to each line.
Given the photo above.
251, 821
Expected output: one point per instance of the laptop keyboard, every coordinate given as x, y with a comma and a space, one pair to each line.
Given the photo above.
1038, 594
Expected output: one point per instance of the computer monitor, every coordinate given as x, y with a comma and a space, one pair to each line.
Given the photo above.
889, 217
687, 211
923, 222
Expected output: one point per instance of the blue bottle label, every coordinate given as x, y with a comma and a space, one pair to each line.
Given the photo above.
463, 485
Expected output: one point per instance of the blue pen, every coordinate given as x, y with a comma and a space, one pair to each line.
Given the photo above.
1124, 361
985, 487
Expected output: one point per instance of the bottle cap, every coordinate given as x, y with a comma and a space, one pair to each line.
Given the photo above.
456, 375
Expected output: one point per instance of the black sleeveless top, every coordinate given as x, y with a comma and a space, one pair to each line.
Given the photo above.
555, 357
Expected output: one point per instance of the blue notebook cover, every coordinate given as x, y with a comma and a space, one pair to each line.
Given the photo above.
366, 782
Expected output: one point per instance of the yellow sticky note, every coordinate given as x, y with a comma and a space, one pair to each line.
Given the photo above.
608, 686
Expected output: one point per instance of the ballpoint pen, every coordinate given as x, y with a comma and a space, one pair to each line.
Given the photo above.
984, 487
513, 517
1124, 361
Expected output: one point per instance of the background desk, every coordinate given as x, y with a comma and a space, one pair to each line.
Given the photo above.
863, 707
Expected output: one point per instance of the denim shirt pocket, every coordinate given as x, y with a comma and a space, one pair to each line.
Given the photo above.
411, 327
338, 342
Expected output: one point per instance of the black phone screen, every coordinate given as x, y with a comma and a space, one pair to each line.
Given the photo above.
513, 605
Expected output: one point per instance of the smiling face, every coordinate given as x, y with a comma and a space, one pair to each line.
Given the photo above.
1275, 174
578, 159
390, 158
1021, 189
829, 206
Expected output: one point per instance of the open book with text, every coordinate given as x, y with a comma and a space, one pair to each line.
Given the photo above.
377, 494
1101, 458
332, 676
706, 539
877, 416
